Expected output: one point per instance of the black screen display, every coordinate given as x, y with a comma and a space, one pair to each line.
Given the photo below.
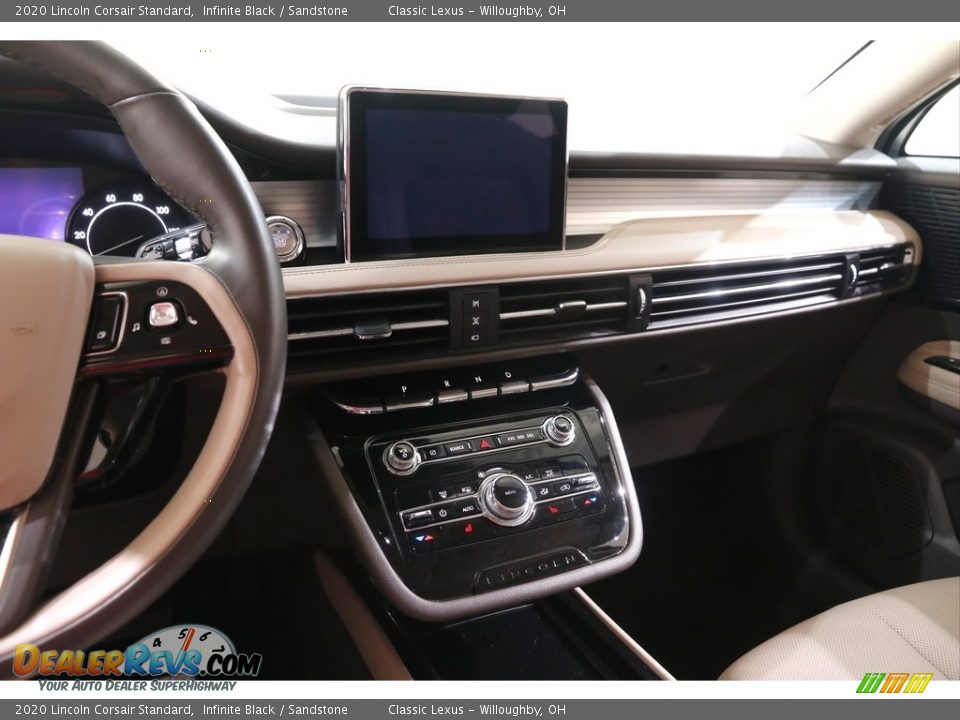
432, 174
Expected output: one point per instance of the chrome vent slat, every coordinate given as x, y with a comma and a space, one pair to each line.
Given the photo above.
771, 306
349, 331
742, 303
704, 294
749, 275
746, 289
550, 312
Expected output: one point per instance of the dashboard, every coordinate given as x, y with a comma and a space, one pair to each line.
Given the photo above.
449, 317
644, 250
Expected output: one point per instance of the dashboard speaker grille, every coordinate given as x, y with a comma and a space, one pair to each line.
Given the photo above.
935, 213
871, 497
342, 329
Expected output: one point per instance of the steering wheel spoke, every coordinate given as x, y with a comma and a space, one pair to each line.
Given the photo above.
143, 324
30, 533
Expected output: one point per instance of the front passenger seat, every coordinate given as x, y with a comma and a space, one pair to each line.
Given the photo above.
915, 628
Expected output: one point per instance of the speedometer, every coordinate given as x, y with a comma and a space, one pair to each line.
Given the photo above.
118, 220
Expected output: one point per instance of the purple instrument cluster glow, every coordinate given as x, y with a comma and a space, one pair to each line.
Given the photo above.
36, 202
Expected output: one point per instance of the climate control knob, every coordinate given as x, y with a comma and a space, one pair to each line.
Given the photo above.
401, 458
560, 430
506, 499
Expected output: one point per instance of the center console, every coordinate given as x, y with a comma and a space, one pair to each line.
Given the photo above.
480, 488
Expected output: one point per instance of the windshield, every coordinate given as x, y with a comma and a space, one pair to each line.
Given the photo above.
627, 89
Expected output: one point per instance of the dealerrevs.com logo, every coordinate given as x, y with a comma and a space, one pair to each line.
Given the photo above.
182, 651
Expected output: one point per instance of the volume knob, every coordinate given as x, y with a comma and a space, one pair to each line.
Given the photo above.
560, 430
401, 458
506, 499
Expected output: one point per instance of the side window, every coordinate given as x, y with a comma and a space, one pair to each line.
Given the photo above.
938, 133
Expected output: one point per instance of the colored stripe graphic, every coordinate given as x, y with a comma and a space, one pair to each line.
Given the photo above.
870, 682
894, 683
918, 682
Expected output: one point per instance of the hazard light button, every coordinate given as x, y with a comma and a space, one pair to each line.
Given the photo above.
485, 443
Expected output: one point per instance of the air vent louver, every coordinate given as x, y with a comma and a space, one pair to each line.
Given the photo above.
691, 295
551, 310
342, 329
886, 268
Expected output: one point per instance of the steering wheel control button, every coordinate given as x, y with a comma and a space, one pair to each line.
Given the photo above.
401, 458
163, 315
560, 430
107, 324
506, 500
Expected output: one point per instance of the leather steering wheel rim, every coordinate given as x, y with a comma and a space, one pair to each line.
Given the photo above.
240, 280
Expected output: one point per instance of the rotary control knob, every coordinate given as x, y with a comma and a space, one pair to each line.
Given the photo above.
506, 499
401, 458
560, 430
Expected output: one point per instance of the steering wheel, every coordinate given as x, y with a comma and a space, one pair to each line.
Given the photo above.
225, 311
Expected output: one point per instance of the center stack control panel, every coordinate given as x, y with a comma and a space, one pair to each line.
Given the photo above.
478, 506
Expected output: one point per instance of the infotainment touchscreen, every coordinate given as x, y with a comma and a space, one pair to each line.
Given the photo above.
428, 174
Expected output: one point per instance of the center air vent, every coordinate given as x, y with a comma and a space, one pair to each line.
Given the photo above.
690, 295
342, 329
563, 309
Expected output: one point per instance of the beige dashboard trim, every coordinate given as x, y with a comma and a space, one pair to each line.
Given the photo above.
635, 245
123, 570
939, 385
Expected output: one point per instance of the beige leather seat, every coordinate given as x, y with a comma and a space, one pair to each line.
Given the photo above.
915, 628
